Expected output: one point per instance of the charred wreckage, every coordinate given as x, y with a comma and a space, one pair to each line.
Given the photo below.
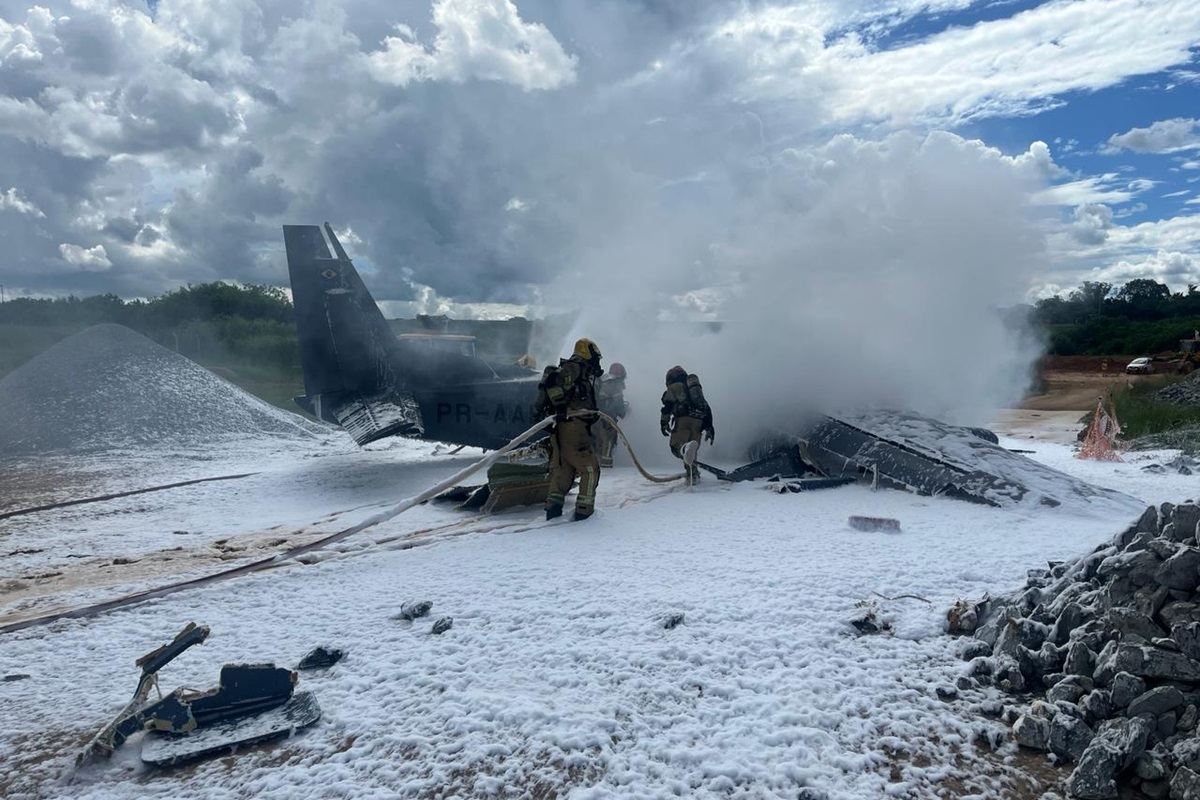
360, 376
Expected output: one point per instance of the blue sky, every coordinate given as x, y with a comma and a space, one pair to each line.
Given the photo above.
483, 154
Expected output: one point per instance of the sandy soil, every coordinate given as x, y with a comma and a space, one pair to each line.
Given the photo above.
1073, 386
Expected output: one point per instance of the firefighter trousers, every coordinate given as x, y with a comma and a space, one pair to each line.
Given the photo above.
571, 457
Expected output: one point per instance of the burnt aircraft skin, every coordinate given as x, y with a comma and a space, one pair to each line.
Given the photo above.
359, 376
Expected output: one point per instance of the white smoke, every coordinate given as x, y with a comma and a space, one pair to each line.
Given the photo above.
857, 273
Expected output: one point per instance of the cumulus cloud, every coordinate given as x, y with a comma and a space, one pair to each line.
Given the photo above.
1175, 269
1140, 245
1039, 162
483, 149
476, 39
92, 259
13, 201
1164, 136
1092, 223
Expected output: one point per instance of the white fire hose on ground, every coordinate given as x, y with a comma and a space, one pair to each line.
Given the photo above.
279, 559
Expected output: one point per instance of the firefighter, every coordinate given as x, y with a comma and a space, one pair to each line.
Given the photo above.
610, 398
571, 387
686, 415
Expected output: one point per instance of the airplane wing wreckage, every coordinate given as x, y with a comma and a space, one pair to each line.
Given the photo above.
360, 376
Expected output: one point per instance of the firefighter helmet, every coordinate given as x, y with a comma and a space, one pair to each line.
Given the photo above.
587, 350
617, 370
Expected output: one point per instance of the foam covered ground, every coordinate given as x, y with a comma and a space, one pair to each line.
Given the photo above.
557, 678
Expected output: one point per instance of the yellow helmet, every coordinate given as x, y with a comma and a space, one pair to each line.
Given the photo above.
587, 350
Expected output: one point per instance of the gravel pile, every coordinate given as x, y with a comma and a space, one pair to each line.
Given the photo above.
110, 388
1104, 654
1185, 393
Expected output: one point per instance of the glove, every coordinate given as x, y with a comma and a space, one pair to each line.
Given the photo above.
710, 434
665, 427
560, 415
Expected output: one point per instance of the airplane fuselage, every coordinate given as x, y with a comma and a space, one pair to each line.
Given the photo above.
481, 415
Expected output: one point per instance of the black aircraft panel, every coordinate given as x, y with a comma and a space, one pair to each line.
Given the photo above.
482, 415
359, 376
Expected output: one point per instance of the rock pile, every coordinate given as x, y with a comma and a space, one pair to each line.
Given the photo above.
1185, 392
1180, 465
109, 387
1112, 639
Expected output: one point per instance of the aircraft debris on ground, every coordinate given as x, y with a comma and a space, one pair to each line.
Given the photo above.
252, 703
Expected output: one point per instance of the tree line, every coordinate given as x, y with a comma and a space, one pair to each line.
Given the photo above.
253, 325
1138, 318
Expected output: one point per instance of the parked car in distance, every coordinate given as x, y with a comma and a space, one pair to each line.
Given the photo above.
1143, 365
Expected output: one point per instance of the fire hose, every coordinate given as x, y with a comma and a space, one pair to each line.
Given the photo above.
281, 558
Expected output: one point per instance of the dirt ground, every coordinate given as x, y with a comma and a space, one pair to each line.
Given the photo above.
1071, 385
1075, 383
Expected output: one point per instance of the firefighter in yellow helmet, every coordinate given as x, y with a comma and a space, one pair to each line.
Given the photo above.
571, 387
686, 415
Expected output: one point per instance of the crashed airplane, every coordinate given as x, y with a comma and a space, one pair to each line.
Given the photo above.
360, 376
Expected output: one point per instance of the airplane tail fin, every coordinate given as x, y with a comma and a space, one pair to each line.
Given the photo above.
347, 350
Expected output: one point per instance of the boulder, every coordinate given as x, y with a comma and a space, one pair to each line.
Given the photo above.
1152, 765
1181, 571
1070, 689
1164, 515
1155, 662
1187, 637
1069, 737
1148, 522
1187, 718
1156, 790
1035, 664
1179, 612
1008, 674
971, 649
1166, 723
1156, 701
1106, 663
1150, 599
1185, 518
1129, 622
1032, 732
1185, 785
1117, 745
1138, 566
1096, 706
1187, 754
1079, 660
1125, 689
1070, 618
1020, 632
